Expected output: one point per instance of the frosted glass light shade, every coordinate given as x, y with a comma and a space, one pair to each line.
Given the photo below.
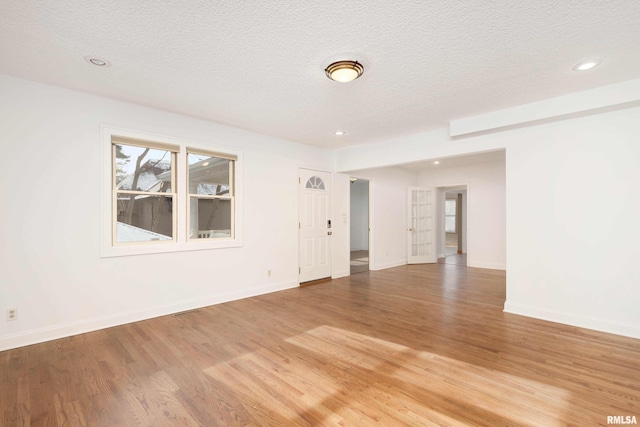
344, 71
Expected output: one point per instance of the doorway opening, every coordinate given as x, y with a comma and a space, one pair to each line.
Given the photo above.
452, 242
359, 228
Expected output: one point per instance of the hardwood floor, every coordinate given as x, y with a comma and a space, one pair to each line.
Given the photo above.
415, 345
359, 262
456, 259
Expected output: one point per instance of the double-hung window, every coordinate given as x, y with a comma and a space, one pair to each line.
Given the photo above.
165, 195
211, 194
144, 189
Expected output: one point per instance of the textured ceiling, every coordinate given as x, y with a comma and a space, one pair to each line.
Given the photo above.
258, 65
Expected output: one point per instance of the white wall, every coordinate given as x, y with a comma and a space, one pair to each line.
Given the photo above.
573, 230
50, 265
388, 215
359, 215
486, 204
571, 187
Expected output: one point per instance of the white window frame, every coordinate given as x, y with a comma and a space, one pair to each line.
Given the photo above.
232, 193
173, 150
181, 241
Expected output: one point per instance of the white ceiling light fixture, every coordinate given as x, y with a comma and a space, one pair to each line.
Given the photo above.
344, 71
97, 61
340, 132
437, 162
586, 65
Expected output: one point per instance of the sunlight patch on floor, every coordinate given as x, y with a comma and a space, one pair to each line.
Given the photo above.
342, 376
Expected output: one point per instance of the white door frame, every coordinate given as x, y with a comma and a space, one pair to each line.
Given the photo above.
441, 235
370, 217
372, 256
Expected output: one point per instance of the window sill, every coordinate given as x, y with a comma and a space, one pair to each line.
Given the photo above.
169, 247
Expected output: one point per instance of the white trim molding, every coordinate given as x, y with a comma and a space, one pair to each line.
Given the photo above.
588, 322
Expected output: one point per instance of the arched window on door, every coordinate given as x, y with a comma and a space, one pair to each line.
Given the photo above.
315, 183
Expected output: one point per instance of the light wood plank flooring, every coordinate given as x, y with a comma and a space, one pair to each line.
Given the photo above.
416, 345
359, 261
456, 259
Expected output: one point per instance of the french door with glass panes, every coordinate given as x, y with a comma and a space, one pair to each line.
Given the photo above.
421, 209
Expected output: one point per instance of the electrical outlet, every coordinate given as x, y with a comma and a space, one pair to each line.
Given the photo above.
12, 314
268, 273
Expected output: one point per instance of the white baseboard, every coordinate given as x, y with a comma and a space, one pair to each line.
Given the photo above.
388, 264
489, 265
588, 322
74, 328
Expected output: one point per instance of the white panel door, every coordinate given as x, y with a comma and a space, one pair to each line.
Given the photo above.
421, 208
314, 224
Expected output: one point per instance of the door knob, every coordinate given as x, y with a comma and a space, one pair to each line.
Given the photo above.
412, 229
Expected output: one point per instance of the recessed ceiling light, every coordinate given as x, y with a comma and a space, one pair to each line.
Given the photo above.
97, 61
437, 162
205, 164
344, 71
586, 65
340, 132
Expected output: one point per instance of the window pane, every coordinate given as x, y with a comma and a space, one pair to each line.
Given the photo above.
450, 207
210, 218
142, 169
450, 224
208, 175
143, 218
